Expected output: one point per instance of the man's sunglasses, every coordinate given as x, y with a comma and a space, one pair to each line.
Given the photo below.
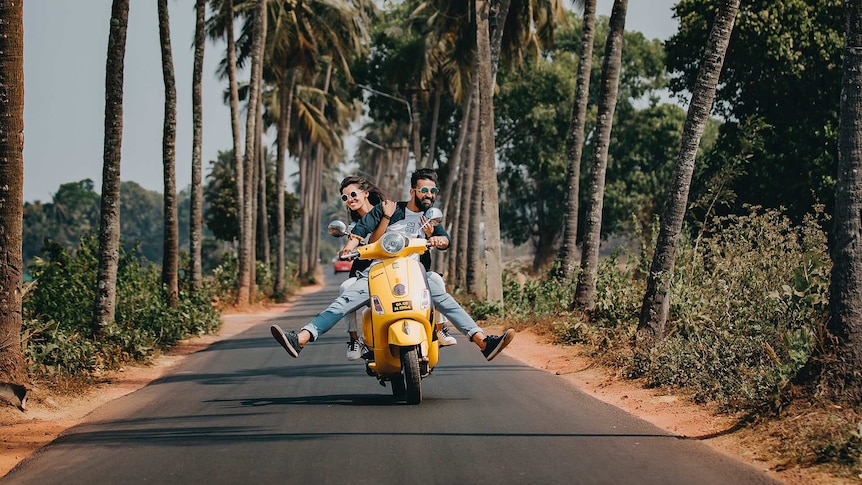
425, 190
352, 195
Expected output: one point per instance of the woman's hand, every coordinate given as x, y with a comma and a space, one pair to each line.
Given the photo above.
388, 207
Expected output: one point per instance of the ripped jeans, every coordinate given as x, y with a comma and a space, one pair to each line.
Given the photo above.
356, 295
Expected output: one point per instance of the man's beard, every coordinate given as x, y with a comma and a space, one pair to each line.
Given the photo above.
423, 204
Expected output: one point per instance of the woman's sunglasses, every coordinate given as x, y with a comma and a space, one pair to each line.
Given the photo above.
345, 197
425, 190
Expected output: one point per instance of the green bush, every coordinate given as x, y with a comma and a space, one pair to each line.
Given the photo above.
749, 302
747, 309
58, 335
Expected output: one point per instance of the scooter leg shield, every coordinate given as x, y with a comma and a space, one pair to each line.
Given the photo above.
407, 332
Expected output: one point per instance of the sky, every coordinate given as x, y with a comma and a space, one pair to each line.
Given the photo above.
65, 48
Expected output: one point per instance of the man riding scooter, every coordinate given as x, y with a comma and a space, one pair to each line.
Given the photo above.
406, 217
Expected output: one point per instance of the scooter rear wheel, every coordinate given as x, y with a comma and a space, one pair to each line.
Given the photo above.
412, 377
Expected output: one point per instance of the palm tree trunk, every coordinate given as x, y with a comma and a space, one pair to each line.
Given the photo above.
417, 141
451, 198
586, 289
239, 170
315, 184
246, 282
575, 144
285, 96
490, 191
475, 267
305, 196
262, 216
317, 188
13, 369
846, 286
109, 221
435, 120
170, 258
656, 301
196, 215
463, 266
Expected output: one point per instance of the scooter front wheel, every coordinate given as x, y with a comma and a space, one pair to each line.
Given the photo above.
398, 388
412, 378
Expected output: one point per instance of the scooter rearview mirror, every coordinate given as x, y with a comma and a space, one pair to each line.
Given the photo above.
434, 216
337, 229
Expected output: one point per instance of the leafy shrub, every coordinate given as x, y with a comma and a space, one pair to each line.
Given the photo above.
747, 309
749, 302
58, 335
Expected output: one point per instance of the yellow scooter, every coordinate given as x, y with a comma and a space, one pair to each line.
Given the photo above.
398, 327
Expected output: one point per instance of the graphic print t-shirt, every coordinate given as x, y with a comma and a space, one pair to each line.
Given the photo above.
409, 226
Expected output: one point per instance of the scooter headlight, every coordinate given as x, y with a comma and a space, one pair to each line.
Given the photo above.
393, 242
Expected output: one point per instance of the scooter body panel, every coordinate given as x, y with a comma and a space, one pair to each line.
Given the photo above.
400, 315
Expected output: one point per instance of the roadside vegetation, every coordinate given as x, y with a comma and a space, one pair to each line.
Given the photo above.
747, 329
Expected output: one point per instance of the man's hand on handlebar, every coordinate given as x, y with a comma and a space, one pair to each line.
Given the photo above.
438, 242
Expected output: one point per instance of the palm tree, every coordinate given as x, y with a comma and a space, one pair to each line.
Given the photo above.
472, 208
575, 142
846, 285
246, 247
13, 370
170, 261
223, 24
487, 172
656, 300
196, 214
586, 289
109, 221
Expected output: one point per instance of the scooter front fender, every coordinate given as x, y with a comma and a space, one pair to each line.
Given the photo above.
404, 333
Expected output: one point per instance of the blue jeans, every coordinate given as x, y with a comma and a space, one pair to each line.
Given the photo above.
356, 295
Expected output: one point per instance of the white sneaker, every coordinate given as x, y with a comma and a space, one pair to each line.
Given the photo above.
443, 337
354, 350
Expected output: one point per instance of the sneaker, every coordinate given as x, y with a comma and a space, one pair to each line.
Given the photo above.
354, 350
288, 340
443, 337
494, 344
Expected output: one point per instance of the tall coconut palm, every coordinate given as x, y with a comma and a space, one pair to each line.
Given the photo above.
846, 286
13, 370
471, 200
170, 259
487, 146
196, 216
263, 250
109, 220
285, 97
586, 289
656, 300
575, 142
223, 24
246, 254
451, 201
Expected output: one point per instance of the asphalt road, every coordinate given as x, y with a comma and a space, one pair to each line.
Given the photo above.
243, 411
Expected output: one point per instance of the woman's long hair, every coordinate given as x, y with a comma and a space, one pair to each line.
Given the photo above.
375, 195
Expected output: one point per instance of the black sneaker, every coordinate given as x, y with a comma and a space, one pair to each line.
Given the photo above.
494, 344
288, 340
